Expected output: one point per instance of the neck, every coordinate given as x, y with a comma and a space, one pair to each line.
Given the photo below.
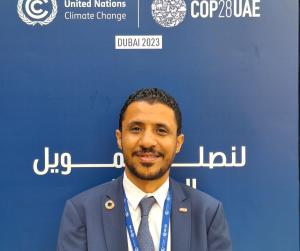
147, 186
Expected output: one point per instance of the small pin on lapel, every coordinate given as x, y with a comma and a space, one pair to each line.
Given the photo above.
183, 209
109, 205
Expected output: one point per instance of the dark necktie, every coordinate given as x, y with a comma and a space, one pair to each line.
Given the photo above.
144, 235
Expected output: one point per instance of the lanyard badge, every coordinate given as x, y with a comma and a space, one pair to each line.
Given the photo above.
164, 233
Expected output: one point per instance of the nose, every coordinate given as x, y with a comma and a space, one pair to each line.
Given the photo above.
148, 139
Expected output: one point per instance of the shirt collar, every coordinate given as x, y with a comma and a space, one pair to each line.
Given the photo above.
135, 195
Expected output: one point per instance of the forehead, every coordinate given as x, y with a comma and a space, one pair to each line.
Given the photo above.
145, 112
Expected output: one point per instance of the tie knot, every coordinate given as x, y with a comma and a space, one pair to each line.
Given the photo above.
146, 204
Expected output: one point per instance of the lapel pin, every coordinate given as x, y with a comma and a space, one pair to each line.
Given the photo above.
183, 209
109, 204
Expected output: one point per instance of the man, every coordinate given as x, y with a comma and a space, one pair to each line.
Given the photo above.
161, 214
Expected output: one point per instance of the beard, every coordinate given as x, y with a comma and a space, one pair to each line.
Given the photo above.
158, 174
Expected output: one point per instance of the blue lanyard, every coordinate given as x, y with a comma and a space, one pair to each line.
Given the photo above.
164, 233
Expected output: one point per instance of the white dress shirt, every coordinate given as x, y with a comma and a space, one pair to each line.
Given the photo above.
134, 196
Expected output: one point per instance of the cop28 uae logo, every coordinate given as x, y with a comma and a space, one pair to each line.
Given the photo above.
168, 13
34, 12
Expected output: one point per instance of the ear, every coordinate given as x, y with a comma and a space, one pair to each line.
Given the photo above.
119, 138
180, 140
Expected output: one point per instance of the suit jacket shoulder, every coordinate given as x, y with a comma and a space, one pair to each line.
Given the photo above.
89, 225
204, 223
93, 196
197, 195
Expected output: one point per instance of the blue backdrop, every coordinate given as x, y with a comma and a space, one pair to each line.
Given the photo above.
63, 84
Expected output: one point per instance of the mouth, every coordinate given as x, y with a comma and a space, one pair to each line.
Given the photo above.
148, 157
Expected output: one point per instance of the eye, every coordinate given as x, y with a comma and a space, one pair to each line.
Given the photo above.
162, 131
135, 129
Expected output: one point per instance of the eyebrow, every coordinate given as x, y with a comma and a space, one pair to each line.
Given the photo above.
163, 125
134, 123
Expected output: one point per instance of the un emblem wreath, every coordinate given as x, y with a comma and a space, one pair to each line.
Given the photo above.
26, 20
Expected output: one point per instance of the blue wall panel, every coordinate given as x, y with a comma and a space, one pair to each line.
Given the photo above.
62, 86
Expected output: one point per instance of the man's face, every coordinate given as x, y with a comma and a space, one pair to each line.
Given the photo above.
149, 140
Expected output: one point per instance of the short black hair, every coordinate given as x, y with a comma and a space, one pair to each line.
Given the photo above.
153, 95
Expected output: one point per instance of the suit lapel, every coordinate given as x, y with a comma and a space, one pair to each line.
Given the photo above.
180, 219
114, 219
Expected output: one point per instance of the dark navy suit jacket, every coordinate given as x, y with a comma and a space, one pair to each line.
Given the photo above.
87, 225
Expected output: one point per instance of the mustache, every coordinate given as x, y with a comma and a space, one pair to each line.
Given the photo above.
151, 151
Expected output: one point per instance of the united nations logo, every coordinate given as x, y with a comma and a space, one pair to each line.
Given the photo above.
168, 13
34, 12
